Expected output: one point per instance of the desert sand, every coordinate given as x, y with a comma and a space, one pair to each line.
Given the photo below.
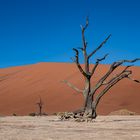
51, 128
20, 88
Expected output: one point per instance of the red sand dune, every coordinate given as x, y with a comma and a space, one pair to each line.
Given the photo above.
20, 88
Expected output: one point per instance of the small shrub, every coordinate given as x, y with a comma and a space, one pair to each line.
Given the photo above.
32, 114
55, 114
14, 114
44, 114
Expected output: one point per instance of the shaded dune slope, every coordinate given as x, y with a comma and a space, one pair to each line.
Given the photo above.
20, 88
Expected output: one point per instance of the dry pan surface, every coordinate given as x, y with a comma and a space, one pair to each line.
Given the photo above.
51, 128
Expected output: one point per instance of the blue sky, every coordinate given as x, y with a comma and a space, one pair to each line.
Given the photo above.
33, 31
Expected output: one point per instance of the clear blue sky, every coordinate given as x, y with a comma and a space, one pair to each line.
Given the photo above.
33, 31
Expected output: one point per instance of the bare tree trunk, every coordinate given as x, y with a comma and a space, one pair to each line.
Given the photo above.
40, 106
40, 110
88, 108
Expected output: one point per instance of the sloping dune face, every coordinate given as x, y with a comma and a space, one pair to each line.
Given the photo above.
20, 88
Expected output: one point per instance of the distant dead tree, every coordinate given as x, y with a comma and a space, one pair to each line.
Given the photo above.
40, 106
105, 83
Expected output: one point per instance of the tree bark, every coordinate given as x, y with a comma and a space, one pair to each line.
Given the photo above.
88, 104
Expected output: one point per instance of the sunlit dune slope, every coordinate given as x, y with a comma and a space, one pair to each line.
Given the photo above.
20, 88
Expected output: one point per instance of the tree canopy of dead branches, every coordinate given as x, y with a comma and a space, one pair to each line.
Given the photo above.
105, 82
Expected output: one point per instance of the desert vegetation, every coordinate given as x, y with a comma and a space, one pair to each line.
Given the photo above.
40, 106
39, 109
93, 94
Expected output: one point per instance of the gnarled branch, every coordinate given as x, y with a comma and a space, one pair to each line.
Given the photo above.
83, 28
92, 53
97, 63
77, 62
113, 67
115, 81
85, 46
86, 25
137, 81
72, 86
117, 75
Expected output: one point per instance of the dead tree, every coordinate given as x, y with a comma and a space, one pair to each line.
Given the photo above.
40, 106
91, 99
